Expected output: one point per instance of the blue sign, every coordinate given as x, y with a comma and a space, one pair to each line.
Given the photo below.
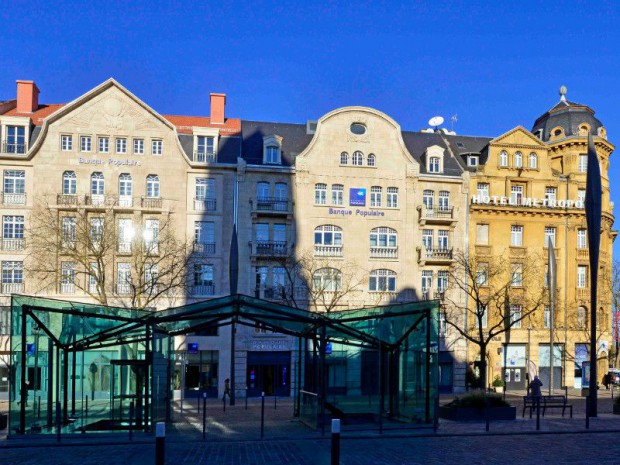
30, 349
357, 197
192, 347
328, 348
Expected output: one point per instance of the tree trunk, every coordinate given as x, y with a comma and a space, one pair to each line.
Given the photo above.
483, 366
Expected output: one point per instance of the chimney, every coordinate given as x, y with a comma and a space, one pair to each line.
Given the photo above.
27, 97
218, 102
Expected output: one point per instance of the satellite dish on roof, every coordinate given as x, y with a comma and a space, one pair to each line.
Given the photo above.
435, 121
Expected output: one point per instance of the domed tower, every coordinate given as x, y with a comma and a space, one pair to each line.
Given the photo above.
565, 128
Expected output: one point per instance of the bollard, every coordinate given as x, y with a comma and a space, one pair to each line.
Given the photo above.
335, 442
275, 402
39, 406
58, 425
160, 443
587, 412
198, 402
486, 413
132, 412
538, 414
204, 416
246, 397
262, 415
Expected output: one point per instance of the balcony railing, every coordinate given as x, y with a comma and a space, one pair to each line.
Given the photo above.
124, 247
12, 288
383, 252
583, 293
95, 200
204, 205
439, 295
150, 202
124, 201
11, 147
67, 288
270, 249
438, 213
441, 255
204, 157
205, 248
327, 250
204, 289
123, 288
9, 243
9, 198
271, 204
67, 199
272, 293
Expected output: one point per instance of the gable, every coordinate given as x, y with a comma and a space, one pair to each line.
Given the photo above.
518, 137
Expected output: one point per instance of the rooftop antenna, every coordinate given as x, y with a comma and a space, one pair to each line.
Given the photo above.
563, 93
435, 122
453, 120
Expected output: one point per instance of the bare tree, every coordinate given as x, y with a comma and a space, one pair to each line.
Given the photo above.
134, 264
320, 283
500, 294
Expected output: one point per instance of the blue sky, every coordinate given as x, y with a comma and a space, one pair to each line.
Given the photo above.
495, 64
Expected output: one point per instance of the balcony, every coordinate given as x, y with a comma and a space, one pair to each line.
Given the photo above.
440, 215
384, 252
124, 201
123, 288
13, 148
9, 198
327, 250
151, 203
12, 244
583, 293
204, 248
270, 293
67, 200
204, 205
124, 247
67, 288
12, 288
434, 256
439, 295
269, 249
96, 200
203, 290
271, 206
205, 157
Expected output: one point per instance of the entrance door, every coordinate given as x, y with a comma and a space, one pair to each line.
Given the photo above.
269, 372
128, 385
514, 378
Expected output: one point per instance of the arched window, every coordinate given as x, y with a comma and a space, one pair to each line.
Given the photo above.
344, 158
358, 158
371, 159
533, 161
383, 237
518, 160
125, 185
69, 183
152, 186
328, 240
97, 184
382, 281
503, 158
327, 280
320, 194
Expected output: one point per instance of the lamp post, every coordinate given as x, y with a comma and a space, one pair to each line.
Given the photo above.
565, 178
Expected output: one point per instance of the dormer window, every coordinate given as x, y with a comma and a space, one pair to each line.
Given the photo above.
205, 144
272, 150
472, 160
15, 140
434, 159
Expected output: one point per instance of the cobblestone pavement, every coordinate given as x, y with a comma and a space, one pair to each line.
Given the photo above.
233, 437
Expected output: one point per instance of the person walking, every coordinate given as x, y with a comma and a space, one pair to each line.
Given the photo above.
226, 390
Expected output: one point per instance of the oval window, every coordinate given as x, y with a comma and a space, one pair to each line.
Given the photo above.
358, 128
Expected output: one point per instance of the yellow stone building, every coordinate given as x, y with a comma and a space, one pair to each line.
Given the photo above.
528, 192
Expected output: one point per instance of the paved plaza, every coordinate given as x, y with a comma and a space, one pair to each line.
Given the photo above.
233, 437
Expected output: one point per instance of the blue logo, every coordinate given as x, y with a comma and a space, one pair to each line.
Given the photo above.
357, 197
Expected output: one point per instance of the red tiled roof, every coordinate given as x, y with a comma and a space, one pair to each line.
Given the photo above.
231, 127
38, 116
184, 124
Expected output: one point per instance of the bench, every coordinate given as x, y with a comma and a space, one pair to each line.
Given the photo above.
546, 402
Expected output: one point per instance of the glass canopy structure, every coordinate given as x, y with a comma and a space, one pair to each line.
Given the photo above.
81, 366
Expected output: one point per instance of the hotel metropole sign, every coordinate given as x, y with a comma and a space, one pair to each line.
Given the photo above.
500, 200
